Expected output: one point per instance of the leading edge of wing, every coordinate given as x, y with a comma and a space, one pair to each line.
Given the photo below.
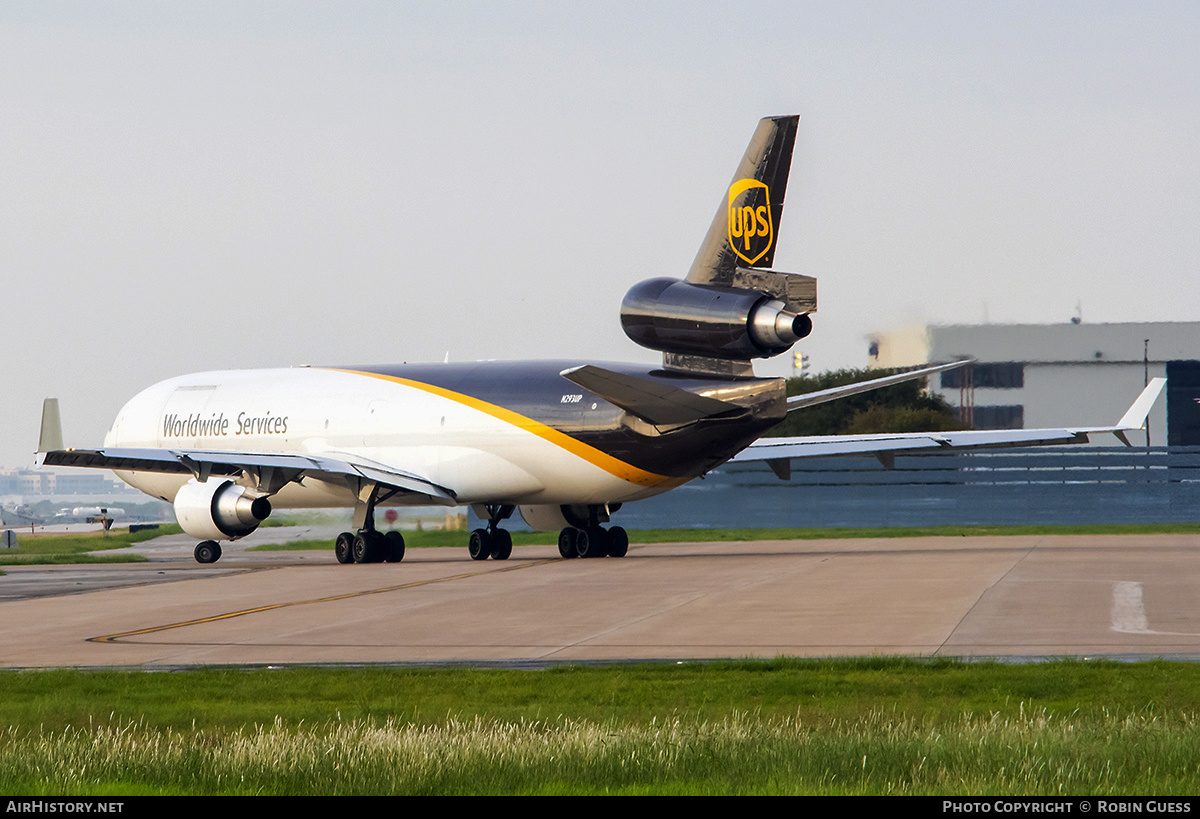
808, 399
815, 446
206, 462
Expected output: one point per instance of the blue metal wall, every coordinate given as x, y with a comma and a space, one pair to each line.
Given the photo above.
1069, 485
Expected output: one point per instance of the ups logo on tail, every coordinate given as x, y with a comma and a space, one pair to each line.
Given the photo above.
751, 233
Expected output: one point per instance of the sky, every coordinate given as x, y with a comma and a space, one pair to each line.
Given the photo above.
199, 185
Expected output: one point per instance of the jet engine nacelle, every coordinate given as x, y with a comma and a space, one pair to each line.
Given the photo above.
219, 509
675, 316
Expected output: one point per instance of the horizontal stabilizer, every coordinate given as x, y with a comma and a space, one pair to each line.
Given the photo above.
653, 401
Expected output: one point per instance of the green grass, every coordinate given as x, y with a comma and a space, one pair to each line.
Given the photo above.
748, 727
64, 549
437, 537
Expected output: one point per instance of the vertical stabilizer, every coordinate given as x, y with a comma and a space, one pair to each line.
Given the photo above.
733, 307
746, 227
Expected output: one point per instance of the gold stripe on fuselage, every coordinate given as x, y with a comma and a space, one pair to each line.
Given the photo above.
596, 457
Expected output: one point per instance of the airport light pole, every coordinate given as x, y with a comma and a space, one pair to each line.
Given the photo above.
1146, 381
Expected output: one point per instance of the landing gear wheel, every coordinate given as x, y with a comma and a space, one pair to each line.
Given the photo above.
343, 548
618, 542
566, 543
368, 548
480, 545
590, 542
501, 544
207, 551
393, 547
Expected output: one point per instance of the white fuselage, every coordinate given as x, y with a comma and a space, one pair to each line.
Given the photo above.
486, 453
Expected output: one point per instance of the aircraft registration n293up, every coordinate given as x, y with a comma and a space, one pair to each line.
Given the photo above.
564, 443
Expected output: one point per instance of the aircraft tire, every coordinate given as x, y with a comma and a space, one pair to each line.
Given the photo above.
343, 548
501, 544
368, 548
480, 545
566, 543
207, 551
600, 547
618, 542
393, 547
590, 542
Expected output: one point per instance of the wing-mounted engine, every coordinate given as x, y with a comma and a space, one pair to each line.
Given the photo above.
719, 329
219, 509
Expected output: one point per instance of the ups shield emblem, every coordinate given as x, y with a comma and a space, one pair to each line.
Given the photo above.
751, 233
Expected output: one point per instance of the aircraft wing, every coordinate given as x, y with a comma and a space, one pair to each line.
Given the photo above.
779, 452
272, 469
808, 399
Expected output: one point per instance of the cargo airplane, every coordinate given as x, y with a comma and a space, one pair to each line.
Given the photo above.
564, 443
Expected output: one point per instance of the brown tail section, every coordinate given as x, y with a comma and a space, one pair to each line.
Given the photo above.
745, 230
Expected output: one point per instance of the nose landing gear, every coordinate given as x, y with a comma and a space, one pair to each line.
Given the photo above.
207, 551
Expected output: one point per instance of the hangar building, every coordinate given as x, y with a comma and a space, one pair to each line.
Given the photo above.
1047, 375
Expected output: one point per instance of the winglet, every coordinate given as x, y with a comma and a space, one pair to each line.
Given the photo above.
51, 437
1135, 416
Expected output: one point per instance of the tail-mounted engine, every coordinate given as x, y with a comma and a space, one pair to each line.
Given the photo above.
219, 509
724, 315
760, 314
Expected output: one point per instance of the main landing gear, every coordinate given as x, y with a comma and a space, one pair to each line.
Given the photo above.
369, 545
593, 541
585, 537
493, 541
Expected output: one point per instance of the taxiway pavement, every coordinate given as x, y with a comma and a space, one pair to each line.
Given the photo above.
1028, 596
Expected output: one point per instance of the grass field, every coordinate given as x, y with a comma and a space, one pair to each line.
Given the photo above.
63, 549
752, 727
